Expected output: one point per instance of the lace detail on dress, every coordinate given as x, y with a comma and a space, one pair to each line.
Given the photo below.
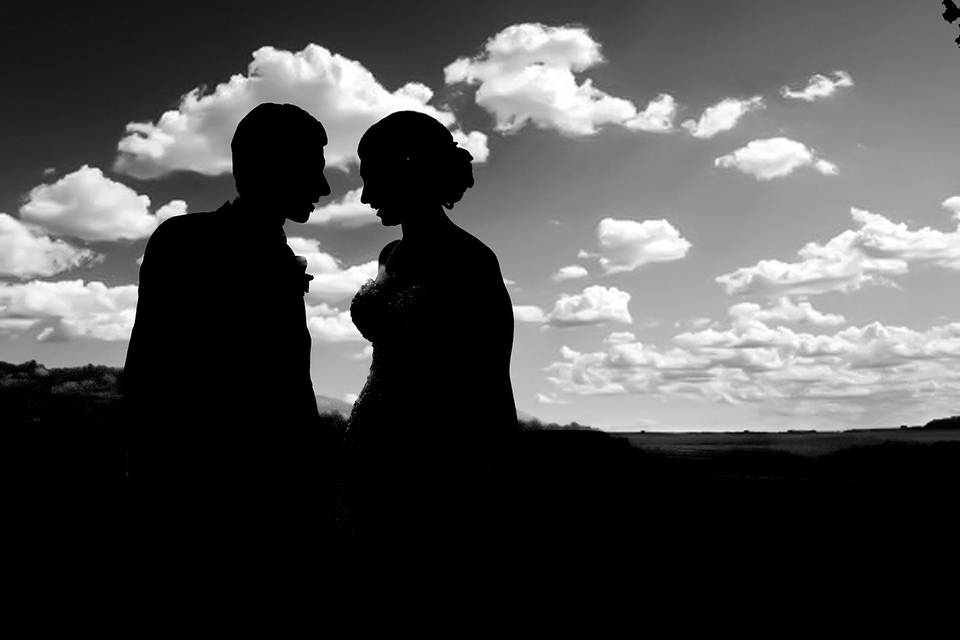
385, 312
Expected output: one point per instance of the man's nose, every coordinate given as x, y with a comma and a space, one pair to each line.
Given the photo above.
324, 186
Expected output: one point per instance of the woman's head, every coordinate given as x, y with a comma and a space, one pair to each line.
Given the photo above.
409, 163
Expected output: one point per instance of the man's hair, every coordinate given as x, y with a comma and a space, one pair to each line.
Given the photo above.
270, 131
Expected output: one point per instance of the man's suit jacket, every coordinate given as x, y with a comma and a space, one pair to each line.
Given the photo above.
217, 375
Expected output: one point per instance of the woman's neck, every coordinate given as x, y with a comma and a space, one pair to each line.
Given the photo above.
426, 226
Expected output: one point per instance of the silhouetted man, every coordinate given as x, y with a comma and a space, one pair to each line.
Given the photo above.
223, 417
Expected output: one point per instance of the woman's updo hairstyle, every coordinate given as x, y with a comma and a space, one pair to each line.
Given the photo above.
411, 136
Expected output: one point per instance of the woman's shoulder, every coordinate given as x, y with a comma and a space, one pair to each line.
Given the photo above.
467, 248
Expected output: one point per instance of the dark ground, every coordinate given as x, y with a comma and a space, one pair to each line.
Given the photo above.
745, 494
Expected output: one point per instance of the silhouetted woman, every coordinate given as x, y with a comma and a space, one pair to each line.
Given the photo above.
430, 423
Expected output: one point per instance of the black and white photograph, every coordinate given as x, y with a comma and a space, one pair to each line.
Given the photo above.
301, 282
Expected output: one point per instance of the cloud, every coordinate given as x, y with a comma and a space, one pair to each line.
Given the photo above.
596, 305
626, 245
819, 86
526, 74
71, 308
346, 212
657, 117
784, 310
27, 253
953, 204
330, 324
331, 280
171, 209
86, 204
774, 158
550, 398
875, 252
722, 116
475, 142
529, 313
341, 92
874, 369
570, 272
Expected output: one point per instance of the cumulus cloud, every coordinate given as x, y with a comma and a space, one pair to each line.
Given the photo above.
596, 305
529, 313
27, 253
819, 86
953, 204
171, 209
330, 324
341, 92
875, 252
784, 310
86, 204
854, 370
570, 272
71, 308
722, 116
346, 212
331, 280
626, 245
774, 158
657, 117
526, 74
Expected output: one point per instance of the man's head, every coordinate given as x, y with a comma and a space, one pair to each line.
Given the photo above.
278, 158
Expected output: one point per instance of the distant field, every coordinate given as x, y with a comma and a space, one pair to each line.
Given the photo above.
813, 444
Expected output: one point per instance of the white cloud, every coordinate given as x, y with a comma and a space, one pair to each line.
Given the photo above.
71, 308
526, 74
340, 92
620, 337
475, 142
570, 272
364, 354
26, 253
785, 310
350, 397
855, 371
953, 204
86, 204
626, 245
774, 158
330, 324
722, 116
657, 117
596, 305
550, 398
529, 313
171, 209
819, 86
347, 212
331, 281
875, 252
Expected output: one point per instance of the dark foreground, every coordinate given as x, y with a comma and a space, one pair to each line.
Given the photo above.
740, 493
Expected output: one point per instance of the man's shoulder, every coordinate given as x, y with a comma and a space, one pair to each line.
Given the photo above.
181, 232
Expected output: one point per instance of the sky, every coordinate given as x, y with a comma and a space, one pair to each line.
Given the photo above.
709, 215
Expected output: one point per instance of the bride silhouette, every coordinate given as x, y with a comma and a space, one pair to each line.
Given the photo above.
425, 433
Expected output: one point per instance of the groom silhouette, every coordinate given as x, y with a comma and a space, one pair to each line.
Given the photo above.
223, 425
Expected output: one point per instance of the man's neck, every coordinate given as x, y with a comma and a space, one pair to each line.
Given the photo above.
258, 212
